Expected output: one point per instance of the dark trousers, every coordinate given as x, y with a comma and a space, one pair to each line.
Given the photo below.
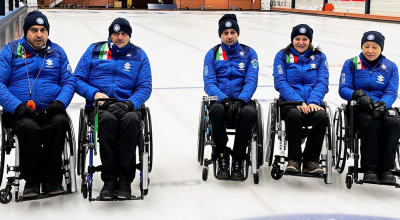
41, 142
379, 140
118, 139
295, 120
246, 120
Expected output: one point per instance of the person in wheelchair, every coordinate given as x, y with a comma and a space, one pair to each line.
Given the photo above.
231, 73
301, 75
374, 91
36, 86
116, 69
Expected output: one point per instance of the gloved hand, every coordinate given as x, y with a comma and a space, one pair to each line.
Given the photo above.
119, 109
357, 94
228, 106
379, 109
238, 105
55, 107
365, 103
105, 105
24, 112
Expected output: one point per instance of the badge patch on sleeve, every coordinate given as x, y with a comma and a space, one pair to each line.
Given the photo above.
254, 63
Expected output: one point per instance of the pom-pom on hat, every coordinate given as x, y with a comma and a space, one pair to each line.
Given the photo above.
228, 21
35, 18
302, 29
120, 24
374, 36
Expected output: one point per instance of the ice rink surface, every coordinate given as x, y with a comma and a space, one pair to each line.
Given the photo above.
176, 43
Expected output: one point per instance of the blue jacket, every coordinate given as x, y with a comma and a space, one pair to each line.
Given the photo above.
122, 73
380, 82
54, 82
301, 77
231, 72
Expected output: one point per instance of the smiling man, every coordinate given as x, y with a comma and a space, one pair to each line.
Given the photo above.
231, 73
116, 69
36, 86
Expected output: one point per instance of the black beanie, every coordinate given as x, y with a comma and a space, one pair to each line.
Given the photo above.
35, 18
228, 21
120, 24
301, 29
374, 36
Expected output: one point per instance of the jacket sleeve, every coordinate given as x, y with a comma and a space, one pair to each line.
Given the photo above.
321, 87
346, 83
210, 78
251, 78
7, 99
67, 82
81, 76
144, 84
280, 82
390, 92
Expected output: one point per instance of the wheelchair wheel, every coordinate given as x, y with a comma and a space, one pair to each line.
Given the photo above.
276, 173
349, 181
5, 195
201, 135
256, 178
260, 136
2, 156
84, 190
270, 131
149, 138
340, 146
205, 174
82, 141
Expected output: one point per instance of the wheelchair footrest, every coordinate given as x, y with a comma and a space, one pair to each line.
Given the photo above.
117, 199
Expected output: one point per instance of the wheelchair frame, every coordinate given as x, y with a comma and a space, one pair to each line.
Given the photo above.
347, 145
10, 142
276, 126
254, 154
88, 143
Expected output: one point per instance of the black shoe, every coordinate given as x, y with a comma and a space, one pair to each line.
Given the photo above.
237, 170
31, 190
223, 166
54, 188
124, 190
108, 190
387, 177
370, 177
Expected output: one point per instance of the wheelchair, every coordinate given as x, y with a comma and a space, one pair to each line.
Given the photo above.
88, 148
276, 127
9, 142
254, 151
347, 145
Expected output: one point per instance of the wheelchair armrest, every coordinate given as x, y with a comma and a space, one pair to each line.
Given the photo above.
289, 103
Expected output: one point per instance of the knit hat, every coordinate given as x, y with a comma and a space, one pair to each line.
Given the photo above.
302, 29
374, 36
35, 18
228, 21
120, 24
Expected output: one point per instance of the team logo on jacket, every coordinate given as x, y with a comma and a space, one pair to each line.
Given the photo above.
49, 63
380, 79
254, 63
313, 66
312, 57
241, 53
69, 68
127, 67
383, 66
241, 66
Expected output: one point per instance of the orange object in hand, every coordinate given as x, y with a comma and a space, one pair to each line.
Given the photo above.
31, 105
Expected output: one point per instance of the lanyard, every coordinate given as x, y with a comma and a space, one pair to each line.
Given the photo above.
31, 104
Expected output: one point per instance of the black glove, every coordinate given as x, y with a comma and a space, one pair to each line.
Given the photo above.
119, 109
228, 106
24, 112
379, 109
365, 103
357, 94
55, 107
106, 105
238, 105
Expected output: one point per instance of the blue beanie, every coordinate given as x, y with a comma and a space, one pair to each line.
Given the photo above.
374, 36
302, 29
120, 24
228, 21
35, 18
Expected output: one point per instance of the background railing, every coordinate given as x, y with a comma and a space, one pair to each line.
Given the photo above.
377, 7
